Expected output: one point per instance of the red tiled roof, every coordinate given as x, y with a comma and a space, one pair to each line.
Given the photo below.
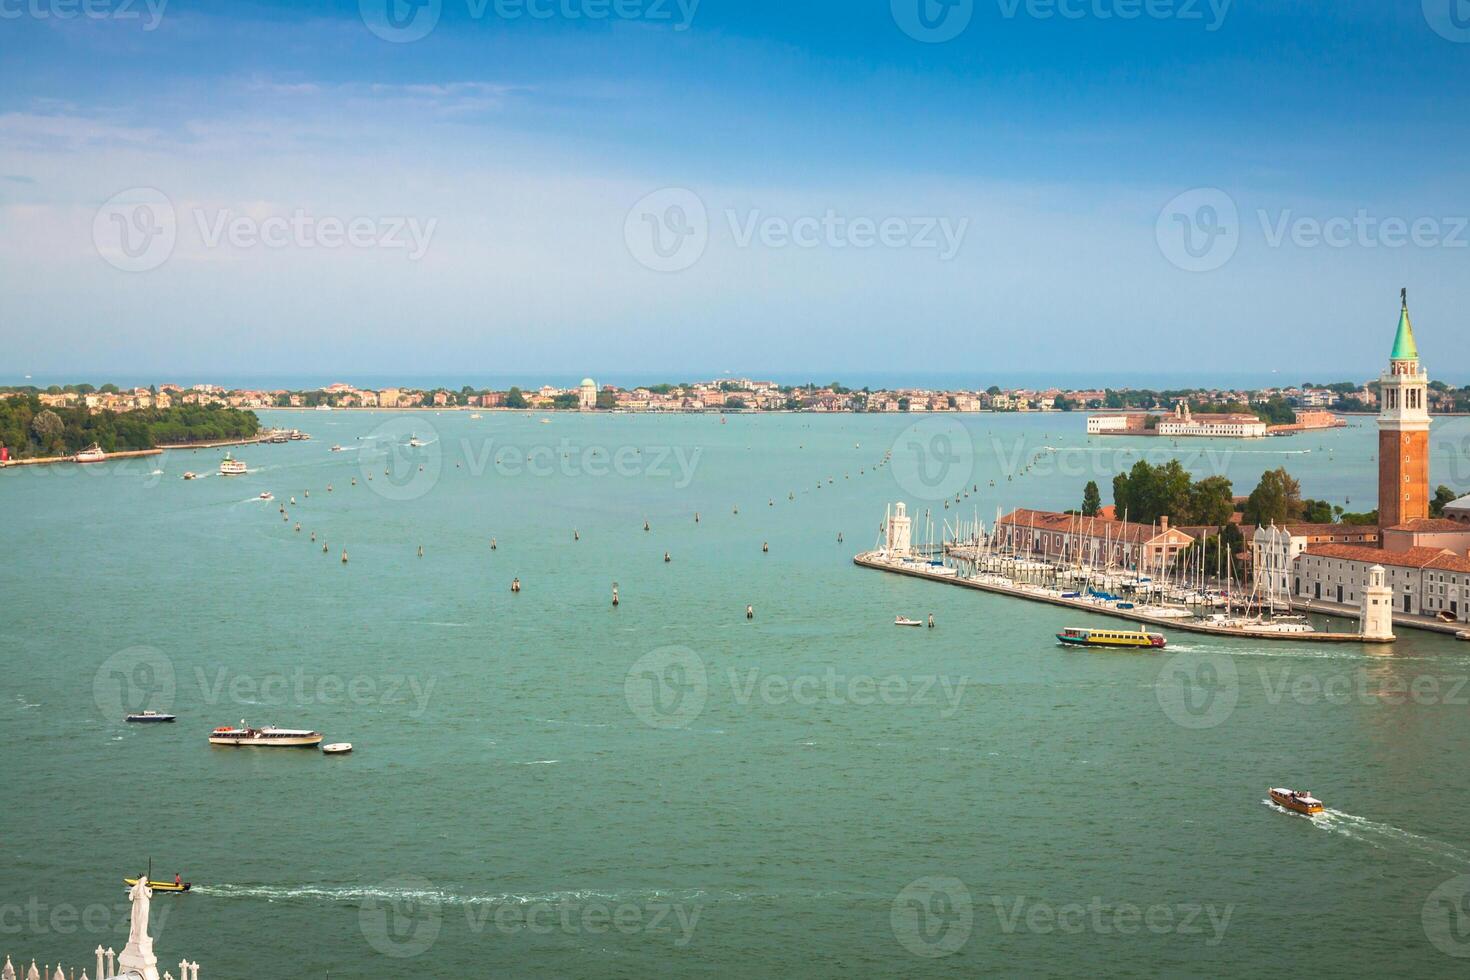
1428, 525
1438, 558
1052, 522
1370, 531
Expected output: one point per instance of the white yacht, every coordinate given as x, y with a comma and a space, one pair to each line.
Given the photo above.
92, 454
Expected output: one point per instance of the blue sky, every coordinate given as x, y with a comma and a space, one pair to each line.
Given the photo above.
1037, 175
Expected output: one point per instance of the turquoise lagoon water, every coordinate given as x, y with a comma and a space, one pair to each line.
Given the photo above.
544, 785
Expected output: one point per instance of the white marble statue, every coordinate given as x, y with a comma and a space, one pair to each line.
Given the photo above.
138, 955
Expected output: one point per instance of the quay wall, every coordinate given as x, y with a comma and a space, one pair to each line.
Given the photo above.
868, 560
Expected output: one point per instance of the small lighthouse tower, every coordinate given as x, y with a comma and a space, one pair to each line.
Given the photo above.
899, 531
1376, 624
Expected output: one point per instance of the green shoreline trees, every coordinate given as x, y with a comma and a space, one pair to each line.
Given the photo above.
29, 429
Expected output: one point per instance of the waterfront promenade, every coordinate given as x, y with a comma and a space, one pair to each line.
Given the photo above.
881, 562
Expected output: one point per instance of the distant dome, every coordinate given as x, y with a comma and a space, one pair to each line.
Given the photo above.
588, 383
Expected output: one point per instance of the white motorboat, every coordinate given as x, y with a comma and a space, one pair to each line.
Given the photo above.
92, 454
267, 495
336, 748
190, 475
905, 621
336, 449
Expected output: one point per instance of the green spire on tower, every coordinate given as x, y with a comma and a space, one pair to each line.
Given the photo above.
1404, 348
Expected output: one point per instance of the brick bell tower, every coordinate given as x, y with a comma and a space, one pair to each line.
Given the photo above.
1403, 430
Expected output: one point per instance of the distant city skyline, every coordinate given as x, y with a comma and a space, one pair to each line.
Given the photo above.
270, 188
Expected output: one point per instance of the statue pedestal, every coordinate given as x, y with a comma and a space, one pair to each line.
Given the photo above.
139, 956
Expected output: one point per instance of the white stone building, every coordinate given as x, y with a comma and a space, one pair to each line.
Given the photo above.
1275, 549
1184, 423
1423, 581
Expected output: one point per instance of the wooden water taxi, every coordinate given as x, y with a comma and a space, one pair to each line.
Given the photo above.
1081, 637
1303, 803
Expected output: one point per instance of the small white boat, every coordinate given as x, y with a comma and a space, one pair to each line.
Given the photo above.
267, 495
905, 621
336, 748
336, 449
474, 415
1463, 635
92, 454
415, 442
190, 475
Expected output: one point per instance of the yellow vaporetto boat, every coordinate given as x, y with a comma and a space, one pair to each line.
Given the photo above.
1079, 637
161, 886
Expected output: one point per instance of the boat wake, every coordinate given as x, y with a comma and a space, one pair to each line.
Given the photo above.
1386, 837
385, 891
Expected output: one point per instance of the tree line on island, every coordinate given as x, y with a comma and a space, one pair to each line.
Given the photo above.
29, 429
1147, 493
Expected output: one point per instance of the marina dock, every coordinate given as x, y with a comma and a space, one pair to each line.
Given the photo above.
883, 562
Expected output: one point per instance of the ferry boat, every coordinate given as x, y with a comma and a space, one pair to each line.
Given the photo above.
266, 737
1303, 803
149, 716
92, 454
230, 466
1079, 637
